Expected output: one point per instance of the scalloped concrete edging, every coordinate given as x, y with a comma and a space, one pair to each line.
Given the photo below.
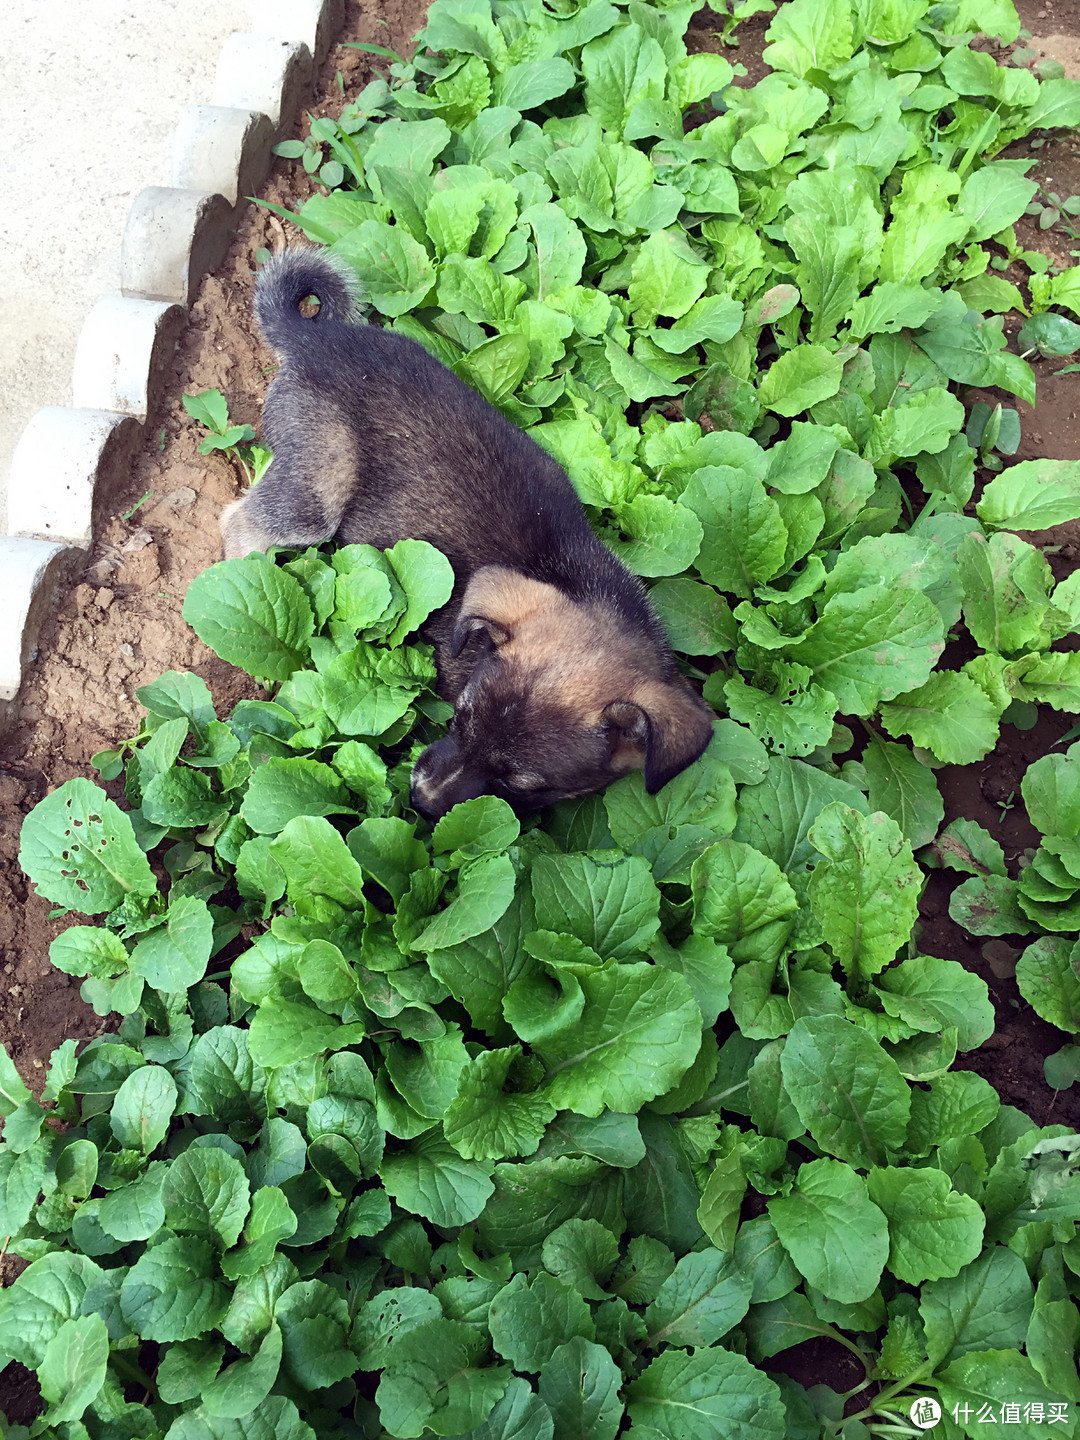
69, 460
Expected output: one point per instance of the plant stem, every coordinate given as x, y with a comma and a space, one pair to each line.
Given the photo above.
883, 1396
133, 1371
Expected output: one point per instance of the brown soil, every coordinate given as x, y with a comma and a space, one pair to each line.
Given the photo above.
122, 626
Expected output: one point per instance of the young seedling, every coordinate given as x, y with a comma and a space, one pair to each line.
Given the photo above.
1051, 209
210, 408
734, 12
990, 429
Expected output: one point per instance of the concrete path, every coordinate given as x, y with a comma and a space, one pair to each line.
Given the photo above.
90, 93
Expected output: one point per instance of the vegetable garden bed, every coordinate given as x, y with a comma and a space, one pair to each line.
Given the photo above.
679, 1115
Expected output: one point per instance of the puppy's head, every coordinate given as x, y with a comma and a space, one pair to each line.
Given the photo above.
561, 699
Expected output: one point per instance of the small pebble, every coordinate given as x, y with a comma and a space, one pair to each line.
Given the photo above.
105, 596
137, 541
180, 499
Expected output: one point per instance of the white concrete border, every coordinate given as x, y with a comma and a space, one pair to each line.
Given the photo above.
69, 458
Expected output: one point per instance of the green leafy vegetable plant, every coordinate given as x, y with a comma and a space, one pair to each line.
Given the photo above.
569, 1125
209, 408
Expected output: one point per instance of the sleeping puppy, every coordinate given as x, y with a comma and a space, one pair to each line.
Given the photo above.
560, 674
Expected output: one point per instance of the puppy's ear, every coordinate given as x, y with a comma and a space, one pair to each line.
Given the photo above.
469, 625
666, 720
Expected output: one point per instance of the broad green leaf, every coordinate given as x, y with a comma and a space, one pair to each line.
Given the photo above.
485, 890
985, 1306
775, 815
560, 250
388, 851
634, 1040
836, 1236
171, 1292
891, 306
699, 1395
282, 789
241, 1387
662, 538
480, 971
703, 794
621, 68
955, 1105
696, 77
925, 424
579, 1385
742, 899
667, 278
1006, 590
949, 715
827, 274
394, 269
700, 1301
868, 645
79, 850
799, 379
923, 225
933, 1231
206, 1193
179, 695
608, 900
865, 892
971, 349
431, 1179
529, 1321
1047, 980
991, 1377
496, 366
317, 861
583, 1253
713, 317
474, 288
534, 83
849, 1094
88, 950
794, 721
1058, 104
35, 1307
1051, 791
13, 1092
698, 621
905, 790
143, 1108
73, 1367
934, 994
410, 145
174, 956
252, 614
745, 539
992, 198
283, 1032
809, 35
484, 1121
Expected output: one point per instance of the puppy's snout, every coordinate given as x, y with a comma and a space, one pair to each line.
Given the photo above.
441, 779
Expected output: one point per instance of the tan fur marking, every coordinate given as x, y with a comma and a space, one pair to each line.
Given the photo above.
334, 469
576, 655
240, 535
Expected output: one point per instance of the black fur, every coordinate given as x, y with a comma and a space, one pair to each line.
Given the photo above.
374, 440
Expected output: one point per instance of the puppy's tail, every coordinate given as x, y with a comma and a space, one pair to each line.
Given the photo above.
288, 278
